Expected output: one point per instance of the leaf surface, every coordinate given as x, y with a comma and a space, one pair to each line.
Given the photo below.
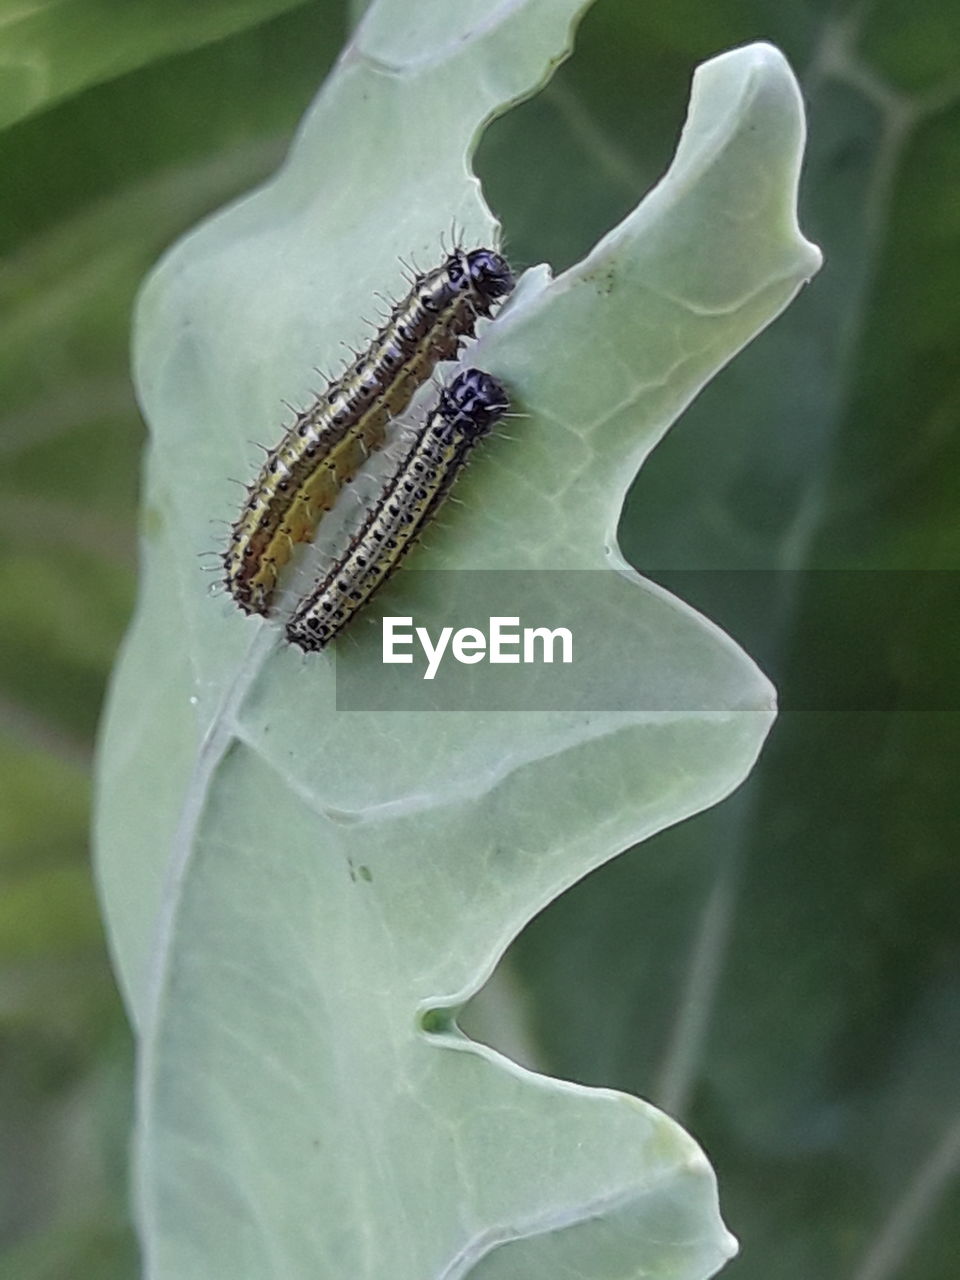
300, 899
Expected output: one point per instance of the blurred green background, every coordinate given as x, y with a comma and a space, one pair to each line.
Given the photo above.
782, 973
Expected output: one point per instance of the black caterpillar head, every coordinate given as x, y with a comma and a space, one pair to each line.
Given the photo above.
473, 403
490, 275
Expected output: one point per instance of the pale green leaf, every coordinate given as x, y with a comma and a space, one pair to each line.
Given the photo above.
300, 899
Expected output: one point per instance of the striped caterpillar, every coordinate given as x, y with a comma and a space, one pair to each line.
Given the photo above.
330, 440
467, 412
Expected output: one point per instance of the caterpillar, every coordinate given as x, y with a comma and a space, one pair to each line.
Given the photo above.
467, 411
329, 441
